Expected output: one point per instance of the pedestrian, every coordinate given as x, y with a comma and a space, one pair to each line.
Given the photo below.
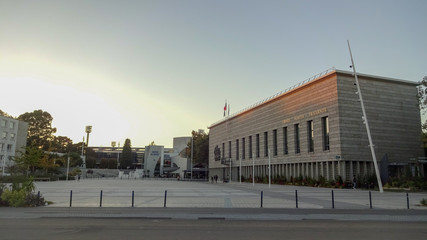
354, 181
216, 178
212, 179
78, 177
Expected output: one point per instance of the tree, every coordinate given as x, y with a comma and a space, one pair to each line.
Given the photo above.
40, 131
29, 160
62, 144
422, 100
200, 146
5, 114
126, 156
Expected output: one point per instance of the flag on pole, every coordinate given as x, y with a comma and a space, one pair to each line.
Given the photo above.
228, 109
225, 107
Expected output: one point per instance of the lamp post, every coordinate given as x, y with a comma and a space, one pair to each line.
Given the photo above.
88, 131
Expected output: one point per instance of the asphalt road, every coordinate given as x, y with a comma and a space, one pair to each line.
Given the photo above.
107, 228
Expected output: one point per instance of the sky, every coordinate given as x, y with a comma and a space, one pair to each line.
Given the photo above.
155, 70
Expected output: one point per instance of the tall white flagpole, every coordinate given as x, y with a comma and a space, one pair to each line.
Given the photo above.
240, 170
253, 169
365, 119
230, 171
269, 169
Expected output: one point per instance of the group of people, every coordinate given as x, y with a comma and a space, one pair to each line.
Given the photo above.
214, 178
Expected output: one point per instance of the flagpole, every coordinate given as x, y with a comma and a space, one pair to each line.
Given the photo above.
269, 169
365, 119
240, 170
253, 169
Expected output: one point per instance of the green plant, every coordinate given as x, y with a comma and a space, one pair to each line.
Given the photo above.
15, 198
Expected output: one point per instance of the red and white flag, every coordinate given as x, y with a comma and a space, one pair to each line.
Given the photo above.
225, 107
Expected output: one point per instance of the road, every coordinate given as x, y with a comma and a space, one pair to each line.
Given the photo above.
107, 228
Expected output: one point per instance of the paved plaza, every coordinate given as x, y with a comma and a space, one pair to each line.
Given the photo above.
149, 193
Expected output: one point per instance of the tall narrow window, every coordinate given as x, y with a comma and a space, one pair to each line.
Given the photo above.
297, 146
229, 149
250, 147
310, 136
257, 146
325, 131
223, 150
266, 144
275, 142
237, 149
243, 148
285, 141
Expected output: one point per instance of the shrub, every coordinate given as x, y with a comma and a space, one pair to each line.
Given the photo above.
14, 198
424, 202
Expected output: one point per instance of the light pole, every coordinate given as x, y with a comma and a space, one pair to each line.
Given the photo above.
191, 160
88, 131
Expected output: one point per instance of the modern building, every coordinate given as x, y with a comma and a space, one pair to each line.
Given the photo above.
316, 129
156, 161
13, 139
113, 153
167, 162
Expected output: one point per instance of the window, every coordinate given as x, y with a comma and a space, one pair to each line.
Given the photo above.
275, 142
250, 147
11, 125
3, 123
310, 137
297, 146
237, 149
243, 148
9, 147
12, 136
4, 135
325, 133
223, 150
257, 146
1, 146
266, 144
285, 141
229, 149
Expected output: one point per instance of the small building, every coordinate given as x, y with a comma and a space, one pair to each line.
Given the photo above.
13, 139
316, 129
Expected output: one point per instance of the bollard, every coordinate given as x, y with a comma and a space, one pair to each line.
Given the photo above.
71, 197
166, 194
133, 197
100, 199
261, 198
407, 200
296, 198
333, 199
38, 197
370, 200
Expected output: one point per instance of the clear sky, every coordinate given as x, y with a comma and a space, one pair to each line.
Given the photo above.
154, 70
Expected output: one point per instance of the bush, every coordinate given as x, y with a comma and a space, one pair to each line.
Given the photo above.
14, 198
424, 202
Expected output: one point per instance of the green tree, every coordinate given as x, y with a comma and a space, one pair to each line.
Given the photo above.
126, 156
40, 131
62, 144
28, 161
5, 114
200, 146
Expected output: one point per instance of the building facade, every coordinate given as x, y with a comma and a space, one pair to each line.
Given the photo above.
13, 139
316, 129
